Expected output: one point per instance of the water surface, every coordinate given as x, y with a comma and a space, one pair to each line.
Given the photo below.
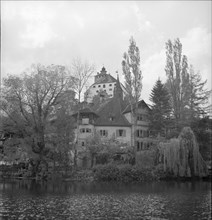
63, 200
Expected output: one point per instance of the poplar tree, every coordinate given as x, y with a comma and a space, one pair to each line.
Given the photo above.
186, 88
133, 78
177, 73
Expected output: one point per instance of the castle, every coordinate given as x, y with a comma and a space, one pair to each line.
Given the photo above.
103, 83
113, 117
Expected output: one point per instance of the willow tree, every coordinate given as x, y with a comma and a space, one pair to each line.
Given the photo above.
133, 79
181, 157
30, 100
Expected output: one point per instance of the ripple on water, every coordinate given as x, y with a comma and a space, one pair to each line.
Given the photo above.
107, 205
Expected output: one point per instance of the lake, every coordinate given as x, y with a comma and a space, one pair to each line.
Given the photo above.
67, 200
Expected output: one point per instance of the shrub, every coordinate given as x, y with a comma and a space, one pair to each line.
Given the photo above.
122, 173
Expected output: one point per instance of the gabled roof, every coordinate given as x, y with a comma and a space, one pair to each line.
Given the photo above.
110, 113
85, 111
141, 103
107, 79
112, 110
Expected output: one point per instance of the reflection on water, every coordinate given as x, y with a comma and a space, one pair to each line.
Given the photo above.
158, 200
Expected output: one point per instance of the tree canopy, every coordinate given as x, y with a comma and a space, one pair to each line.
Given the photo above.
132, 72
186, 87
161, 107
30, 102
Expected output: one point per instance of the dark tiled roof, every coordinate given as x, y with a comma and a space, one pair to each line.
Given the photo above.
106, 79
112, 108
141, 103
85, 111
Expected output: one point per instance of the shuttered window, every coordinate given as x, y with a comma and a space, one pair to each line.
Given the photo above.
139, 145
103, 133
82, 130
120, 133
139, 133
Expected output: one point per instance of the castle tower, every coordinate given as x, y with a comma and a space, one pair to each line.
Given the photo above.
118, 90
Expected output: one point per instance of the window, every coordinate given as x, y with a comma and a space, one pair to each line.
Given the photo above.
110, 89
88, 130
120, 133
139, 145
139, 133
94, 86
103, 86
111, 118
97, 91
99, 85
103, 133
139, 118
82, 130
110, 85
142, 117
83, 143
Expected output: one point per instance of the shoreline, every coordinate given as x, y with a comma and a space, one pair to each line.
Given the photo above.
91, 179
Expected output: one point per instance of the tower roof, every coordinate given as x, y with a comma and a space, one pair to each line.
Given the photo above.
118, 90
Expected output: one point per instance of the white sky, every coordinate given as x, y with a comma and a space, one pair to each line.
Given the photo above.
56, 32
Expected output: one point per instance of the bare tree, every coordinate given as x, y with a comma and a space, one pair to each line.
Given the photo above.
29, 101
81, 71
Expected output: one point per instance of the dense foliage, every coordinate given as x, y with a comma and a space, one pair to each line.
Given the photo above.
161, 108
30, 103
122, 173
186, 88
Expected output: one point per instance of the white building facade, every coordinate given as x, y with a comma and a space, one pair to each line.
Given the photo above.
103, 83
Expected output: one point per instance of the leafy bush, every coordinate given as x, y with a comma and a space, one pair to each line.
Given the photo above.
122, 173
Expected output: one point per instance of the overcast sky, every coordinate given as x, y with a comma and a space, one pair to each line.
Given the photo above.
56, 32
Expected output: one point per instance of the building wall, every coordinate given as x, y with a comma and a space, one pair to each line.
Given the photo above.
142, 124
141, 111
107, 87
112, 132
94, 89
84, 135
